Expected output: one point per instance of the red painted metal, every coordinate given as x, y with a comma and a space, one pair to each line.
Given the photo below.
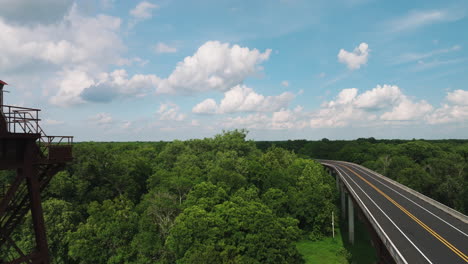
36, 157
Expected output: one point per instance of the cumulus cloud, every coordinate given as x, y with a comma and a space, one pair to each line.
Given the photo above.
110, 85
251, 121
70, 84
76, 86
63, 50
289, 119
170, 112
164, 48
340, 112
102, 119
380, 97
143, 10
244, 99
454, 111
407, 110
354, 59
215, 66
458, 97
207, 106
28, 12
383, 103
282, 119
285, 83
63, 44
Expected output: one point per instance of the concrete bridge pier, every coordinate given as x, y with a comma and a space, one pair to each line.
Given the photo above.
351, 221
337, 177
343, 202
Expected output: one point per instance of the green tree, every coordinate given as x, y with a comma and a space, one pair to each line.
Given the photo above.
107, 234
236, 231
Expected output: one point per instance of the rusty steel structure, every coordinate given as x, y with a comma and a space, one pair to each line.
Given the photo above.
36, 158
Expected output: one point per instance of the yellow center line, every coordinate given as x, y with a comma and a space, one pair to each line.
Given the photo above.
423, 225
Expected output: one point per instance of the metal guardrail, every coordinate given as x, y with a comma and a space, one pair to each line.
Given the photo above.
26, 120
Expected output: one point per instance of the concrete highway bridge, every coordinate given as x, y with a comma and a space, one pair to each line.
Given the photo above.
405, 226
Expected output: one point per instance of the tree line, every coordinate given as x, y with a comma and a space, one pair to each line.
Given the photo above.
212, 200
435, 168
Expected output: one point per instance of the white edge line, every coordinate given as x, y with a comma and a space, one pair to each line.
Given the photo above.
370, 174
446, 209
390, 221
373, 218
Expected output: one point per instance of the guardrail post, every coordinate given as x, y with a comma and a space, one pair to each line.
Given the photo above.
351, 221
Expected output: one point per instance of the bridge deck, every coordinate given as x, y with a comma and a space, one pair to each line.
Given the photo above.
419, 231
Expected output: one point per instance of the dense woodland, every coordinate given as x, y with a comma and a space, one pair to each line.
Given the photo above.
223, 199
216, 200
436, 168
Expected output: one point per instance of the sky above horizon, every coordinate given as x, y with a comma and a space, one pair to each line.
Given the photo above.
109, 70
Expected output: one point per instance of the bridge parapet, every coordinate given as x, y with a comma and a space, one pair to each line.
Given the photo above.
384, 239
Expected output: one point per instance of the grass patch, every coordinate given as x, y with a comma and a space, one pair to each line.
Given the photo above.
362, 251
327, 250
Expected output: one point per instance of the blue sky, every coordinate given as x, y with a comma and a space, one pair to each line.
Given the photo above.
284, 69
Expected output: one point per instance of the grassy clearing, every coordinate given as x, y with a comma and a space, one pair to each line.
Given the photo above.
327, 250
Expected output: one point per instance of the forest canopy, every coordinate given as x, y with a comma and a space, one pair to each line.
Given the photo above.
212, 200
223, 199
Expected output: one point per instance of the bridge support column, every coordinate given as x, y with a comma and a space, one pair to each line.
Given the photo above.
351, 221
337, 181
343, 202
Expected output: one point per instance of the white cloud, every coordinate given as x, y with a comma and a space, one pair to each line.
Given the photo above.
143, 10
420, 18
289, 119
251, 121
29, 12
458, 97
77, 86
344, 97
285, 83
455, 111
126, 125
355, 59
62, 58
70, 85
170, 112
282, 119
207, 106
449, 114
164, 48
215, 66
407, 110
63, 44
110, 85
380, 97
102, 119
383, 103
244, 99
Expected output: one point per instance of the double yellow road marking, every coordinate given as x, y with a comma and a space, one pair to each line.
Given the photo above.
423, 225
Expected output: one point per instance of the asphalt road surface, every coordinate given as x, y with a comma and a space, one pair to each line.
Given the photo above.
420, 232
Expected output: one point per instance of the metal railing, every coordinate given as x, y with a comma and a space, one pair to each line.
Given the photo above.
21, 119
26, 121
